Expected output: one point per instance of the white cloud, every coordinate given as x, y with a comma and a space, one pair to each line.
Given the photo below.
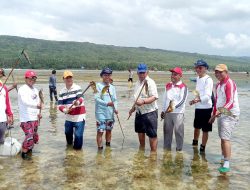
230, 40
174, 25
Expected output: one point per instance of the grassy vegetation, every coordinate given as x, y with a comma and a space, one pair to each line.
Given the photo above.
46, 54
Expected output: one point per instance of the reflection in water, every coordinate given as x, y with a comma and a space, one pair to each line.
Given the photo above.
222, 182
105, 170
53, 117
144, 169
30, 174
199, 168
74, 169
171, 170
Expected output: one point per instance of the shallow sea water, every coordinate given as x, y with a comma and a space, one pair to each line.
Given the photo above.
124, 166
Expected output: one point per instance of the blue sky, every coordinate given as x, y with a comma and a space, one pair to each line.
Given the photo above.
218, 27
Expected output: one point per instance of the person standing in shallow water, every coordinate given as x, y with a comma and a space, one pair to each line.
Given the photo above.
71, 94
174, 100
226, 99
203, 104
6, 114
146, 108
52, 86
29, 106
105, 107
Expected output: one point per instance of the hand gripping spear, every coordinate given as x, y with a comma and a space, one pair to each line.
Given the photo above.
16, 63
92, 84
133, 107
106, 88
41, 97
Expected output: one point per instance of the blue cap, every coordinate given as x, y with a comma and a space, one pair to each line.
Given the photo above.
106, 71
142, 68
201, 62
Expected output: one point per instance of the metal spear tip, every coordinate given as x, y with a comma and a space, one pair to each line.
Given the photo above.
26, 56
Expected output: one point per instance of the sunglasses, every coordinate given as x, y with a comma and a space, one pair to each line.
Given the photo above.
199, 67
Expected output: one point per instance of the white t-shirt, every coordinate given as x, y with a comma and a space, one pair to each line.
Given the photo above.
28, 100
204, 86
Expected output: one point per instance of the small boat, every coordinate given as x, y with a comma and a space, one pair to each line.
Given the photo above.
11, 147
193, 79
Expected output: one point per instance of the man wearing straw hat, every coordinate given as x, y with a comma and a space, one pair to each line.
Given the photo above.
227, 111
145, 95
70, 95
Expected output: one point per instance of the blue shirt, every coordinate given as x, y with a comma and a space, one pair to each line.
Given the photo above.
52, 81
102, 111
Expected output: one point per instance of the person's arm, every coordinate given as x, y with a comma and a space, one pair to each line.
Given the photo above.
98, 95
8, 110
60, 104
230, 88
208, 91
14, 85
153, 95
164, 100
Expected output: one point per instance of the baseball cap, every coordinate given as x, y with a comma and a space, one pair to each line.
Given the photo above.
177, 70
142, 68
2, 71
221, 67
106, 71
67, 73
30, 74
201, 62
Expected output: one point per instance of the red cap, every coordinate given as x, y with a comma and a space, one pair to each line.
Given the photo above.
177, 70
30, 74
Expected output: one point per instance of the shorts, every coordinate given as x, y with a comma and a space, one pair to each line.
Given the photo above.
147, 123
105, 125
130, 79
226, 125
201, 119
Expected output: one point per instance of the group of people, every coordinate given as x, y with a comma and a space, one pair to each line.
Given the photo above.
222, 104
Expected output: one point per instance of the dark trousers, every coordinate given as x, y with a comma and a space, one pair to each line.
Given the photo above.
52, 90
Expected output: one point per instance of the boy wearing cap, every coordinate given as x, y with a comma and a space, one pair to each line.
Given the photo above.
226, 98
6, 114
203, 104
146, 108
29, 105
75, 115
105, 107
175, 95
52, 86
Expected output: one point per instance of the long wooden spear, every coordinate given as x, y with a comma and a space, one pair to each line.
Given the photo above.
133, 107
14, 66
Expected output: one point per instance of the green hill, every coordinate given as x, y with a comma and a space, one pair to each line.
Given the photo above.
45, 54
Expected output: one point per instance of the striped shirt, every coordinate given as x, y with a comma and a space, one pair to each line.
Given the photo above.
102, 111
151, 91
176, 93
66, 98
5, 106
227, 96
